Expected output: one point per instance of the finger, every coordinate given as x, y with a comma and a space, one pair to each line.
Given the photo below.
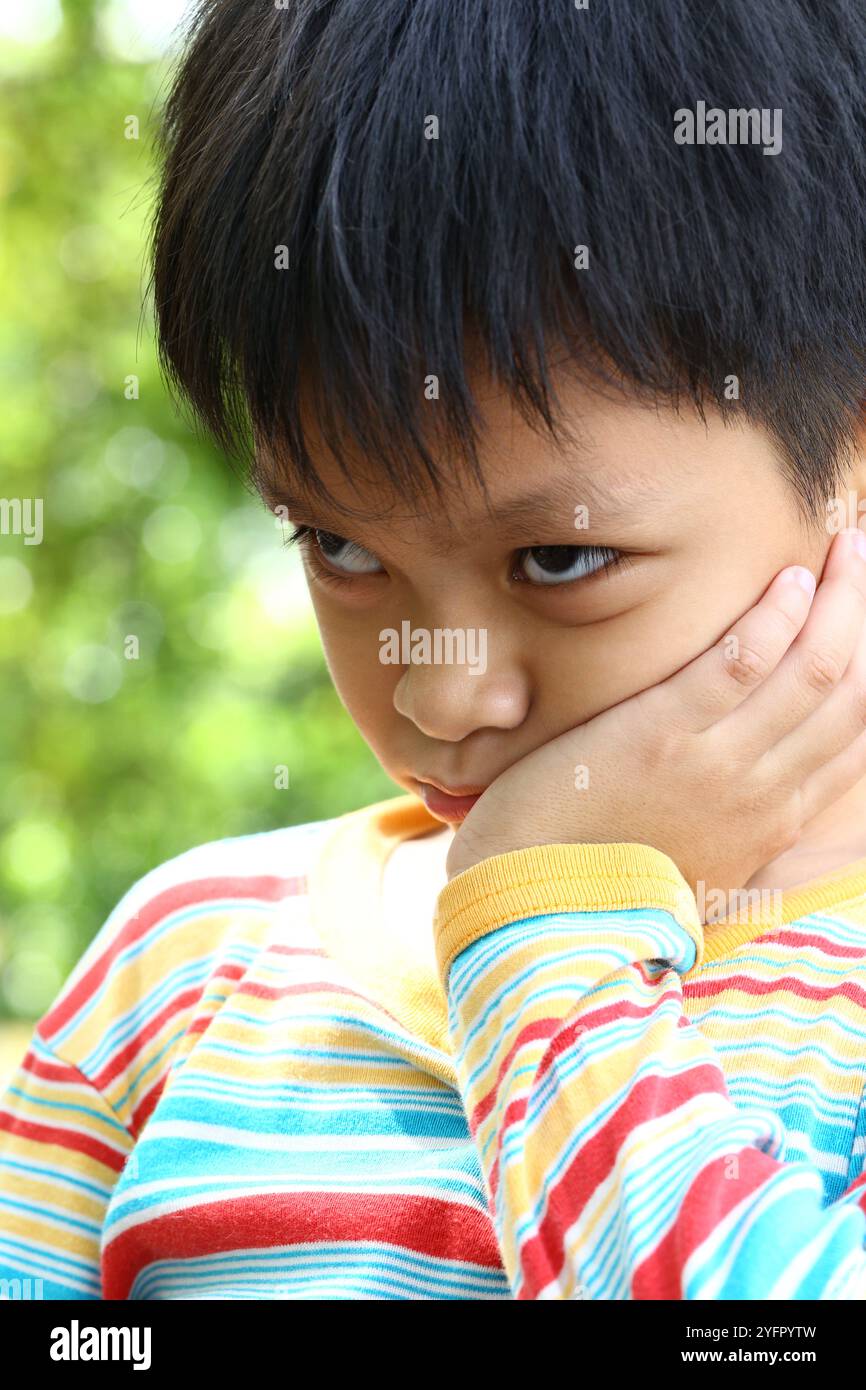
835, 778
815, 663
832, 728
720, 679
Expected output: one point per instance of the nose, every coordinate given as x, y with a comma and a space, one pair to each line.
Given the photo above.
448, 699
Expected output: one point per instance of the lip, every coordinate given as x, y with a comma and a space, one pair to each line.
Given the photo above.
449, 805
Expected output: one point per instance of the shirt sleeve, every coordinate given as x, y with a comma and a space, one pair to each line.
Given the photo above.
616, 1165
62, 1149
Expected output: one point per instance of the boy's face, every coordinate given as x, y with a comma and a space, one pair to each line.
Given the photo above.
701, 514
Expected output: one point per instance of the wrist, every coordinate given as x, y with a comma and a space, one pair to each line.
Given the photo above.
565, 878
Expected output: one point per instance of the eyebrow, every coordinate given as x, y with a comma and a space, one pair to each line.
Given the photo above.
627, 504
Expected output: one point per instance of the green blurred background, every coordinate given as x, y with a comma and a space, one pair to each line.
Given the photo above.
111, 763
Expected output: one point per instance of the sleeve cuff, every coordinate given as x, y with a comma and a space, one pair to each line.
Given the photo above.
559, 878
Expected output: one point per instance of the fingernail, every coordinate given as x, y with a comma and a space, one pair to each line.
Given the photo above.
859, 541
805, 578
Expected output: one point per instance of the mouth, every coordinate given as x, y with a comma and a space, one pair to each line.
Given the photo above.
449, 805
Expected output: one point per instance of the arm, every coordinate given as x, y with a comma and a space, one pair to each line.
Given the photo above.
616, 1164
62, 1149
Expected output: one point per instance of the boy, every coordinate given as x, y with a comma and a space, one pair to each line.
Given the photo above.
518, 364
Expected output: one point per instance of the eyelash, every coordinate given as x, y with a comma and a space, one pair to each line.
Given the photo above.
305, 536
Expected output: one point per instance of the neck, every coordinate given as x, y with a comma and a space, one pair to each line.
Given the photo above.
831, 840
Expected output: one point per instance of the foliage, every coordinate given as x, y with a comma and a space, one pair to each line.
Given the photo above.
110, 760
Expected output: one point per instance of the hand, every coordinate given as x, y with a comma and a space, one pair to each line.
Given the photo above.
721, 765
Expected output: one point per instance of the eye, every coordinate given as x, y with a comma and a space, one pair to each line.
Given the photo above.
347, 557
561, 564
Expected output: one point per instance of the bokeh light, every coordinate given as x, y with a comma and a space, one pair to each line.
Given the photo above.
158, 651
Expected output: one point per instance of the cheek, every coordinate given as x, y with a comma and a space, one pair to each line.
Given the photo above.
595, 668
364, 684
592, 668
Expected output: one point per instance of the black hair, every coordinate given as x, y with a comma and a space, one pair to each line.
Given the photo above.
306, 125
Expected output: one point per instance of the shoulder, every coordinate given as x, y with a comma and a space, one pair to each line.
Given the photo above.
173, 947
211, 878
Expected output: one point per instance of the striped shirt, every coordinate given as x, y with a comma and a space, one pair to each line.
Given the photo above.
249, 1089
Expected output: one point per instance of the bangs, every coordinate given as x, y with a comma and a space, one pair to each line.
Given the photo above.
354, 189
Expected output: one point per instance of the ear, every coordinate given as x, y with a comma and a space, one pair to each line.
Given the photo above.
858, 470
851, 505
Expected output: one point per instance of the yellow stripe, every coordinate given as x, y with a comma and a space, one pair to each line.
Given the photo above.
559, 878
346, 904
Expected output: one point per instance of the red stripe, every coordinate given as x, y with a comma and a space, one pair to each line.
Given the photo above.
257, 991
265, 888
821, 943
425, 1225
34, 1065
711, 1196
563, 1038
146, 1106
254, 990
73, 1140
704, 988
543, 1256
538, 1028
120, 1061
279, 950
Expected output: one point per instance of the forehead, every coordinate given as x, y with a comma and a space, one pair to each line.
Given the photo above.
619, 459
